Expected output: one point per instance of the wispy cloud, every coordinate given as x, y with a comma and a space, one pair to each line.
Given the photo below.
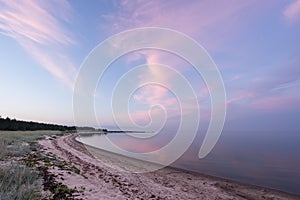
242, 96
274, 88
292, 11
218, 27
37, 27
194, 18
276, 103
155, 95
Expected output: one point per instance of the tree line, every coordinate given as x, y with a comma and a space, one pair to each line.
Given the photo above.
8, 124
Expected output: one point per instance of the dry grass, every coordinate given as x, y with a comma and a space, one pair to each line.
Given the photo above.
18, 181
18, 143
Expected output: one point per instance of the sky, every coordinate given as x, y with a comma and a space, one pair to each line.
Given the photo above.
254, 44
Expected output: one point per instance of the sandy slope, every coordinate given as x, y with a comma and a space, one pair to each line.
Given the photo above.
100, 181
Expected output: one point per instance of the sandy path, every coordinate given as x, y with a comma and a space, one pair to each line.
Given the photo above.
99, 181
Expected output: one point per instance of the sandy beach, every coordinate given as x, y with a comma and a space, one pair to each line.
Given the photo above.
97, 180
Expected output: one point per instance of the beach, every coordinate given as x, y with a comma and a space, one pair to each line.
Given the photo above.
90, 178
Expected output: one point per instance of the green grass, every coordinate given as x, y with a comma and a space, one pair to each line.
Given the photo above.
18, 143
18, 181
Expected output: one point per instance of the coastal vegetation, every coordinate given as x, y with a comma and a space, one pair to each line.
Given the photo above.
8, 124
18, 180
24, 167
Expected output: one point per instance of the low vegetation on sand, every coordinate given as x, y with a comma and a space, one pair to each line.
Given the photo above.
18, 178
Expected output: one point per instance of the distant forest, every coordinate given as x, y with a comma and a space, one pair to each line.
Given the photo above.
8, 124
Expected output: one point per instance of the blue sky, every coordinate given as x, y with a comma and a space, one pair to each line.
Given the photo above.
253, 43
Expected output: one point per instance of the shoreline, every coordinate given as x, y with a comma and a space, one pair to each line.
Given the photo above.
97, 180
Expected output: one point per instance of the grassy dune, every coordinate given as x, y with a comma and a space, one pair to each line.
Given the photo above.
17, 180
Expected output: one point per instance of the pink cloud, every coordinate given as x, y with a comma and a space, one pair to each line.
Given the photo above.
194, 18
154, 95
31, 20
241, 96
140, 117
292, 11
203, 93
36, 26
198, 19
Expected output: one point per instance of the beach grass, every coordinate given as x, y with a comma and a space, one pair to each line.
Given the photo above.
17, 180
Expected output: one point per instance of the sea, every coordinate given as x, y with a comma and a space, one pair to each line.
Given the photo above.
269, 159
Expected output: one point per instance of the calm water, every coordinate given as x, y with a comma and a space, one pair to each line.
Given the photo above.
269, 159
